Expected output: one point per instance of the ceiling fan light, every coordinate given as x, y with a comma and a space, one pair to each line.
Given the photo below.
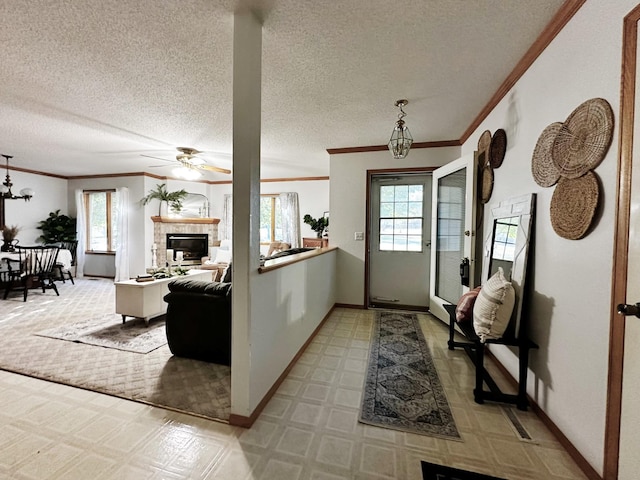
187, 173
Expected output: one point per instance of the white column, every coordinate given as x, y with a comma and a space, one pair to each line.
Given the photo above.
247, 75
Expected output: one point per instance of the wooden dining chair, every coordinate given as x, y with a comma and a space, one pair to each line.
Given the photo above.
60, 268
35, 268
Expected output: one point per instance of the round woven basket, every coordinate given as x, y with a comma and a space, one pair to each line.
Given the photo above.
487, 183
484, 146
498, 148
543, 169
584, 138
573, 205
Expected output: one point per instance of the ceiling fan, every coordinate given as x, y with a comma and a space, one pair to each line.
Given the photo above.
190, 164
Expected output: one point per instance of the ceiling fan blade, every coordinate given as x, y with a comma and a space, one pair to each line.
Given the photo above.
157, 158
211, 168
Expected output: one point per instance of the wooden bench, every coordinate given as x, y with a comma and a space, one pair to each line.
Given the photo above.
475, 349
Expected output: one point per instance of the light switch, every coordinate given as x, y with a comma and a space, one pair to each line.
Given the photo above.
358, 236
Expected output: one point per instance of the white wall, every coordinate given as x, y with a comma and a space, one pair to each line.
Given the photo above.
288, 305
571, 279
348, 200
103, 265
50, 195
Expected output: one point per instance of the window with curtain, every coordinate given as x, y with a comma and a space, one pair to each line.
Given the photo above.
101, 225
227, 218
279, 218
270, 219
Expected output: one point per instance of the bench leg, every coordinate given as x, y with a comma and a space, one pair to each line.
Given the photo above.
522, 402
478, 392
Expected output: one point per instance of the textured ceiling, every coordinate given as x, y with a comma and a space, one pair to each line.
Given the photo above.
88, 86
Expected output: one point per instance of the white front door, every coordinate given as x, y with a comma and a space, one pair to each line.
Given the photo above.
452, 232
399, 241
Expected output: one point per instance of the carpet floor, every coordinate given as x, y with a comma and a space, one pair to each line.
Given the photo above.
156, 378
402, 389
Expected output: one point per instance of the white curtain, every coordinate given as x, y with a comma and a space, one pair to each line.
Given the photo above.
122, 241
290, 212
227, 218
81, 233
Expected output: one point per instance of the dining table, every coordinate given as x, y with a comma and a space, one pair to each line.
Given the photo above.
64, 257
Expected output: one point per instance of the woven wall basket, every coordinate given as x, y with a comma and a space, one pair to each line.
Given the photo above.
573, 205
487, 183
498, 148
584, 138
543, 169
484, 147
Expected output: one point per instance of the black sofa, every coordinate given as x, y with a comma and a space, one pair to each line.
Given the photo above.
198, 321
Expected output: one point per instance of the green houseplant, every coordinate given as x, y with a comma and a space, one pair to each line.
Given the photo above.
173, 199
317, 225
57, 228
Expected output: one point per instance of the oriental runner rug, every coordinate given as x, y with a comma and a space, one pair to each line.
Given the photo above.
402, 387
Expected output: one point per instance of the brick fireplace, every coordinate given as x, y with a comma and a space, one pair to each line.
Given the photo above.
166, 225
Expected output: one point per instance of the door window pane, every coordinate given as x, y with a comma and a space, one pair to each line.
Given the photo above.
450, 235
401, 217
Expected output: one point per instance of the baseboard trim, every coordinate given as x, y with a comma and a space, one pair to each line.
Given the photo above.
573, 452
349, 305
246, 422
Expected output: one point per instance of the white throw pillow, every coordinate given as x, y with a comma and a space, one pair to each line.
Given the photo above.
222, 256
494, 306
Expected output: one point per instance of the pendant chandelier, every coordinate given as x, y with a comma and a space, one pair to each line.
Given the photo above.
401, 139
5, 188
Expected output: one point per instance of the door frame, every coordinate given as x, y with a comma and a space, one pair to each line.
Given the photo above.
472, 207
621, 243
367, 228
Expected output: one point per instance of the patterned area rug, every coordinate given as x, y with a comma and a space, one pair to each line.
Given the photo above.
431, 471
157, 378
108, 331
403, 390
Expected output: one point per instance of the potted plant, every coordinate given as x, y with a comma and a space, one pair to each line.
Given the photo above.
317, 225
57, 228
9, 241
173, 199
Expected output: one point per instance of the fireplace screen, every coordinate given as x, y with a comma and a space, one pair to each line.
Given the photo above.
193, 246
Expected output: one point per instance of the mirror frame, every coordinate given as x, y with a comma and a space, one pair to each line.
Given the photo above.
524, 207
194, 205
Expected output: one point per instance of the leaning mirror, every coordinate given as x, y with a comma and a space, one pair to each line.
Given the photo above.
507, 246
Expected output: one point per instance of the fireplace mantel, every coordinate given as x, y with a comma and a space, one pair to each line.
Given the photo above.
157, 219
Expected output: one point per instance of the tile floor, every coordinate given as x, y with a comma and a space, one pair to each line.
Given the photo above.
309, 429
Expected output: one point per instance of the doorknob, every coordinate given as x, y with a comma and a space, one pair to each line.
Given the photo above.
628, 310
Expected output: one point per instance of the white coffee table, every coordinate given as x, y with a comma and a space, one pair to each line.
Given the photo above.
145, 299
